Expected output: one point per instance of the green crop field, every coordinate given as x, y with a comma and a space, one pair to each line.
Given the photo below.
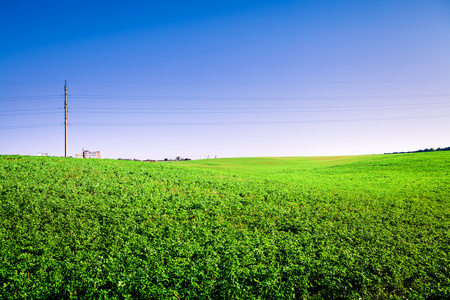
361, 227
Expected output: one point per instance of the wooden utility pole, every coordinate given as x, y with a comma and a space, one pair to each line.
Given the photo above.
65, 118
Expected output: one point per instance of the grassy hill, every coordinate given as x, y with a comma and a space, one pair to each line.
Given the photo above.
370, 227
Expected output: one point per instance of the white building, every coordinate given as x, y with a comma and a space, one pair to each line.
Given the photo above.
88, 154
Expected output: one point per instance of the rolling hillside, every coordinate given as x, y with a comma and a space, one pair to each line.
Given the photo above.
356, 227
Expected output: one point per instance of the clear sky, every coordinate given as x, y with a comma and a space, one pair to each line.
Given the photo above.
160, 79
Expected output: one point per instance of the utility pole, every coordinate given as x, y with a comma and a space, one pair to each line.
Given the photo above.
65, 118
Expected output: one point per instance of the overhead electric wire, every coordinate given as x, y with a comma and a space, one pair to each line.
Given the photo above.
222, 110
223, 98
262, 108
254, 122
240, 98
30, 109
227, 82
31, 82
255, 82
27, 114
30, 98
28, 126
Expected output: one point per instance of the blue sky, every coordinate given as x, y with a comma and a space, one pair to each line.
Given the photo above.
154, 79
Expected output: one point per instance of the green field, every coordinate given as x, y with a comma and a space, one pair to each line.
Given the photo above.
360, 227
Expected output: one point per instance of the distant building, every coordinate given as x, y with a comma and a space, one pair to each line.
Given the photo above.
91, 154
42, 154
88, 154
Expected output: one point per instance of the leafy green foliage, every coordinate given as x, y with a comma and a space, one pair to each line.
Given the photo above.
370, 227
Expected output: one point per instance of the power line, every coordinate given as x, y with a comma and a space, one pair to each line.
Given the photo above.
228, 82
27, 114
30, 126
30, 82
256, 82
256, 98
253, 122
30, 98
223, 98
31, 109
265, 107
118, 110
213, 111
223, 110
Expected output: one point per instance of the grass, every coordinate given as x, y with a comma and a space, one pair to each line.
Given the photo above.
352, 227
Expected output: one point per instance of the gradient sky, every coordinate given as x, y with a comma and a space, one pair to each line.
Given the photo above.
160, 79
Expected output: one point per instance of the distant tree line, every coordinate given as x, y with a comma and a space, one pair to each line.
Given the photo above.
423, 150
